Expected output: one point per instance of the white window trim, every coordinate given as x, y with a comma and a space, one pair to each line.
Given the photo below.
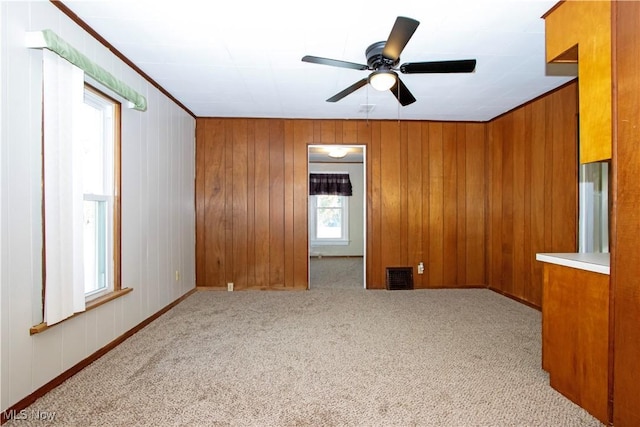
89, 296
314, 240
99, 102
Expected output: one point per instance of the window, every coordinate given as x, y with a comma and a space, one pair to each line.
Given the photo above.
80, 197
99, 151
593, 233
329, 220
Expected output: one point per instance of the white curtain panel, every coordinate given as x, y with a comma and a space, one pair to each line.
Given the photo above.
63, 197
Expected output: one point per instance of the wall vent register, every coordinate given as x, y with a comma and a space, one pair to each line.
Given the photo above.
399, 278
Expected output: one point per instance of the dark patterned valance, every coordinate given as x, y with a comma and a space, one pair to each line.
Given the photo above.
330, 184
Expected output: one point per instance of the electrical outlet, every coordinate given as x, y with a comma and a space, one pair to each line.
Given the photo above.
421, 268
230, 286
177, 275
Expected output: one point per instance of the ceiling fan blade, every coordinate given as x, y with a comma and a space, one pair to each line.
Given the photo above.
354, 87
400, 34
458, 66
403, 94
334, 62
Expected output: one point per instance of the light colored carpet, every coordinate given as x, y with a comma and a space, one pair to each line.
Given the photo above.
323, 358
336, 273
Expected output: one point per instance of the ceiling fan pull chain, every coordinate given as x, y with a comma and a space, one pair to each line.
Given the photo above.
367, 109
399, 103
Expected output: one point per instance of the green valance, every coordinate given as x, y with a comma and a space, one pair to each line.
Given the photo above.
50, 40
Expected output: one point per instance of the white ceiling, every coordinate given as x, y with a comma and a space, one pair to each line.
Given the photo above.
242, 58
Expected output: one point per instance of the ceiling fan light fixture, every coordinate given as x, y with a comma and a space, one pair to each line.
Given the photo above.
338, 153
383, 79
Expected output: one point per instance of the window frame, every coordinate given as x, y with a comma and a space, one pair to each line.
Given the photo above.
108, 249
99, 100
313, 218
594, 207
116, 291
114, 205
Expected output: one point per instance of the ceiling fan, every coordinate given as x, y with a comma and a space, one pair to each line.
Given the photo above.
383, 59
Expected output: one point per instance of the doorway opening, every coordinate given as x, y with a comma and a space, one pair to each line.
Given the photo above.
337, 220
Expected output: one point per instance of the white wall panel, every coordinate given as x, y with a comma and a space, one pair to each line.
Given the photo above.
90, 321
46, 360
4, 321
158, 224
19, 206
74, 338
105, 324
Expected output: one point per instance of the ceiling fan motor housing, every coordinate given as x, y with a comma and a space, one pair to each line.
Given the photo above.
377, 61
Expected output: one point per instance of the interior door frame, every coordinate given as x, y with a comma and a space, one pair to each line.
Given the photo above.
364, 208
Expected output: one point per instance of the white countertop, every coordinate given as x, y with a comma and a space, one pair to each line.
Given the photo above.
596, 262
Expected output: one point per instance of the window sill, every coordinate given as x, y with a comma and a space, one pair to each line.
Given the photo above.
330, 242
41, 327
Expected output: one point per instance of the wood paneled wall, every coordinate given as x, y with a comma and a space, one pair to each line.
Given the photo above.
425, 199
532, 193
250, 229
625, 255
427, 202
475, 202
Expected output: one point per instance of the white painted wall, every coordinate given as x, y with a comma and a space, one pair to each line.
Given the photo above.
158, 220
2, 192
356, 210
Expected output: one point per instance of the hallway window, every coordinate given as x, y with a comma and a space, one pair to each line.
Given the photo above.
329, 220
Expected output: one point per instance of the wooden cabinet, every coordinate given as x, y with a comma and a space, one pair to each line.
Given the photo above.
575, 336
582, 29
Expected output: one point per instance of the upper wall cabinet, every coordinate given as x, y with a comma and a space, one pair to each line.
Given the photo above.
580, 31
